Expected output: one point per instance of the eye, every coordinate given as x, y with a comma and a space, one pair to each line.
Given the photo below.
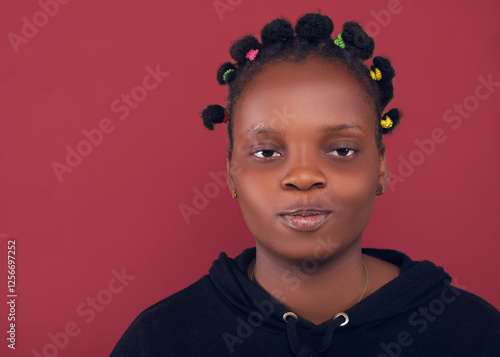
344, 152
265, 153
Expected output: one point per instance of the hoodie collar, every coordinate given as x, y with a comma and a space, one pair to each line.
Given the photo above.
417, 282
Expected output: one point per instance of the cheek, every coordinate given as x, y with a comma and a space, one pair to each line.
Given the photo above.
256, 192
356, 192
356, 188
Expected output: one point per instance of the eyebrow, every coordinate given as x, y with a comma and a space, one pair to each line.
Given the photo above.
259, 129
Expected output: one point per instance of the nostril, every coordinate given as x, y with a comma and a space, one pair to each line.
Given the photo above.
304, 178
303, 186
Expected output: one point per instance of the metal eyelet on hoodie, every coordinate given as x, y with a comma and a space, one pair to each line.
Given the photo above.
345, 317
289, 313
302, 350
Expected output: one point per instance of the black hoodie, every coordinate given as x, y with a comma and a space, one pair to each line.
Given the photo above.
225, 314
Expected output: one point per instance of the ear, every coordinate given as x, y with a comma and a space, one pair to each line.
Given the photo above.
383, 177
230, 180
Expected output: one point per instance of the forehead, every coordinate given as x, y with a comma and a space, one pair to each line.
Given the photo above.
314, 93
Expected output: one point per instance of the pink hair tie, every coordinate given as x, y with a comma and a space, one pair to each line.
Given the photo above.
251, 54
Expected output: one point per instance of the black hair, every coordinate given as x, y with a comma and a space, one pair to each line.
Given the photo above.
311, 37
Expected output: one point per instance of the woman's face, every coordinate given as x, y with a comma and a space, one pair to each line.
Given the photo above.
304, 139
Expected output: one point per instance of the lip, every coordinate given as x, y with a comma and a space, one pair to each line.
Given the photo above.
305, 212
306, 220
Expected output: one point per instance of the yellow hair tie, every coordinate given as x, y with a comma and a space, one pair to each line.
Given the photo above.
387, 123
377, 75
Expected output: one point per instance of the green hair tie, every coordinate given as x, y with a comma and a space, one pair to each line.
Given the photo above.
224, 76
339, 41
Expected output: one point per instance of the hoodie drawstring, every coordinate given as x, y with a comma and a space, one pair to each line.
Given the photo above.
304, 350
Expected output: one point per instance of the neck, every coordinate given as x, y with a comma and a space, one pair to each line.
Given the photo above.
315, 290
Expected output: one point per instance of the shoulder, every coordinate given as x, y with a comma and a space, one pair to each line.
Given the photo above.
179, 305
164, 324
472, 306
454, 314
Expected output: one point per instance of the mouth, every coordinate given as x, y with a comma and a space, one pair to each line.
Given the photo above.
307, 220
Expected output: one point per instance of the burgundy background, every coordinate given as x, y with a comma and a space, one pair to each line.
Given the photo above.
119, 208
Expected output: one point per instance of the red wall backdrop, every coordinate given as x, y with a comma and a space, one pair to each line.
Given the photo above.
100, 236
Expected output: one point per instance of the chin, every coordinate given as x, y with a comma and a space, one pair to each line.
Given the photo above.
317, 247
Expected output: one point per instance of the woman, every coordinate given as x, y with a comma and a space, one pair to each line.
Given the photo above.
305, 118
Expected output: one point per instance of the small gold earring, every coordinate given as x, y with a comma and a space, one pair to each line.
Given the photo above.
380, 190
234, 193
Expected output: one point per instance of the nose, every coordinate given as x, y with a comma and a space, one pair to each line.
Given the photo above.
303, 173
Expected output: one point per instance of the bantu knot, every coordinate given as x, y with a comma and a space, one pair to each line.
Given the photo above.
278, 30
314, 27
383, 73
226, 73
357, 41
213, 114
240, 49
390, 120
387, 73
